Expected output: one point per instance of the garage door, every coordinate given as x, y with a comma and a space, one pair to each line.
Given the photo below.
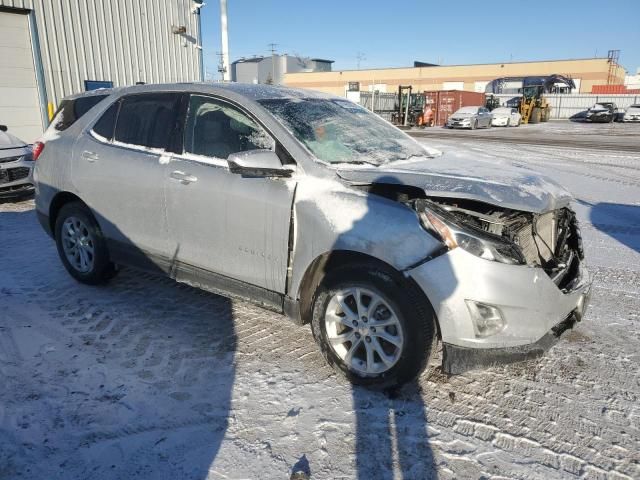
19, 101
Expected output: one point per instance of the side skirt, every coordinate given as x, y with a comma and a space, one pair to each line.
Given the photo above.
131, 256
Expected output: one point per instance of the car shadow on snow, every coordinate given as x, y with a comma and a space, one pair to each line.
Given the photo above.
619, 221
143, 377
392, 434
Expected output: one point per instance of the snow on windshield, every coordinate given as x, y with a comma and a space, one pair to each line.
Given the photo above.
340, 131
501, 110
468, 110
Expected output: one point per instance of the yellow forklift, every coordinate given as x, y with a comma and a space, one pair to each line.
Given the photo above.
533, 106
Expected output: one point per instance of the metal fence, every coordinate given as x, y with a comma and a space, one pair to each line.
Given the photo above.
384, 104
566, 106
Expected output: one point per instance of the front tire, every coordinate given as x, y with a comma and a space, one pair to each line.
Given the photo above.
372, 327
81, 245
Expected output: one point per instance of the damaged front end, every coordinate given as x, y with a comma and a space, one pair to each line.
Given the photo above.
549, 240
511, 284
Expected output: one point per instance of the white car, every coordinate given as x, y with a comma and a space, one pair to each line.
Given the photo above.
506, 117
16, 166
632, 113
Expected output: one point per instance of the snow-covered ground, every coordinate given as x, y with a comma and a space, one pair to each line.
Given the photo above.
145, 378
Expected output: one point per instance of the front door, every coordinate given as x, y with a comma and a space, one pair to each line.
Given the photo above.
119, 170
219, 221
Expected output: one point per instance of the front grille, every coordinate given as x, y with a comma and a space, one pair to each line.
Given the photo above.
10, 159
12, 174
538, 239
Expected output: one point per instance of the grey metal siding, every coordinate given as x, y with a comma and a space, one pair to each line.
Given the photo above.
123, 41
567, 105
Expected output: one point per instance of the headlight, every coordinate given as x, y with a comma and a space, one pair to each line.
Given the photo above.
475, 241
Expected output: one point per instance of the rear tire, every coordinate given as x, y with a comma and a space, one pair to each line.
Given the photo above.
535, 115
81, 245
545, 115
414, 332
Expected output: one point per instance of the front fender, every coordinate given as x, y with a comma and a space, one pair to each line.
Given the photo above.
330, 216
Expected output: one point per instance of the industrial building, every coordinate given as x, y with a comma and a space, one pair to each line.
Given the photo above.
426, 77
271, 69
49, 50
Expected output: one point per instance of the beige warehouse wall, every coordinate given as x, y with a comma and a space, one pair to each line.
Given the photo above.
590, 71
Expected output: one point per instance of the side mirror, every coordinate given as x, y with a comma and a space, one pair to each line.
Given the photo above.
3, 128
257, 163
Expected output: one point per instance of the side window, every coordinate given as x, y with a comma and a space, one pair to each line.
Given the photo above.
217, 129
147, 120
107, 123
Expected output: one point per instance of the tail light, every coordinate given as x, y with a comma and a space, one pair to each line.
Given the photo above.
37, 149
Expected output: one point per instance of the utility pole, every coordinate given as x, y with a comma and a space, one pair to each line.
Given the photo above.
224, 68
221, 68
272, 47
359, 57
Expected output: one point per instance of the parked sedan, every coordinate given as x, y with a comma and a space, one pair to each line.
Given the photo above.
470, 117
312, 206
505, 117
604, 112
632, 114
16, 166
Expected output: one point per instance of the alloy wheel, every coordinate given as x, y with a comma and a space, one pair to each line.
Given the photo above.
363, 330
78, 244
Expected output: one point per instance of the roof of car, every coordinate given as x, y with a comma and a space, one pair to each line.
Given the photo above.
247, 90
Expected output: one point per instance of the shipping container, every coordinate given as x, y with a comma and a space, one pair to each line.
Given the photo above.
613, 90
447, 102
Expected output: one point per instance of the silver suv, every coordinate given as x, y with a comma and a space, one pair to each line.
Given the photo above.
310, 205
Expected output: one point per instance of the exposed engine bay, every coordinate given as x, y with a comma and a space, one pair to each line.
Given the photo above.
550, 240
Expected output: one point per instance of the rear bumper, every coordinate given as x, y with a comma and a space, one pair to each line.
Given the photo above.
44, 222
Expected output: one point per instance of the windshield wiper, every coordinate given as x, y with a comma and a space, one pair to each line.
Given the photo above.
357, 162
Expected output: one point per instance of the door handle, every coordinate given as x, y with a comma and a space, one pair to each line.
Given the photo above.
90, 156
185, 178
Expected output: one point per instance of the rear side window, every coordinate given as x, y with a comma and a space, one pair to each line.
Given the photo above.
71, 110
147, 120
107, 123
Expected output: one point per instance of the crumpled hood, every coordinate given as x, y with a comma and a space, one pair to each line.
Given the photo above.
455, 175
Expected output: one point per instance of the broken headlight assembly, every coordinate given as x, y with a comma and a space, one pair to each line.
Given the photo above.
454, 234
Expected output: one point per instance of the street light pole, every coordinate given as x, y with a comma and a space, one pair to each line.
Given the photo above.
225, 40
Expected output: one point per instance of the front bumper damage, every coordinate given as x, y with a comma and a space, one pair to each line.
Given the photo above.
535, 310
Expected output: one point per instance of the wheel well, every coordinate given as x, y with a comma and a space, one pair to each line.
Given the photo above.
59, 201
329, 261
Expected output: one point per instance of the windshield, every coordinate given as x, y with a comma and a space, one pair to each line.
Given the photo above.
503, 110
340, 131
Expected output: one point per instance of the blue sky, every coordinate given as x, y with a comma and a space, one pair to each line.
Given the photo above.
447, 32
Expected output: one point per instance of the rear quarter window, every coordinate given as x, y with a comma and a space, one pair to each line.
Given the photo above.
71, 110
106, 125
147, 120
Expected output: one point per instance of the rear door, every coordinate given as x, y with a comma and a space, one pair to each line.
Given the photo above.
220, 221
119, 170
